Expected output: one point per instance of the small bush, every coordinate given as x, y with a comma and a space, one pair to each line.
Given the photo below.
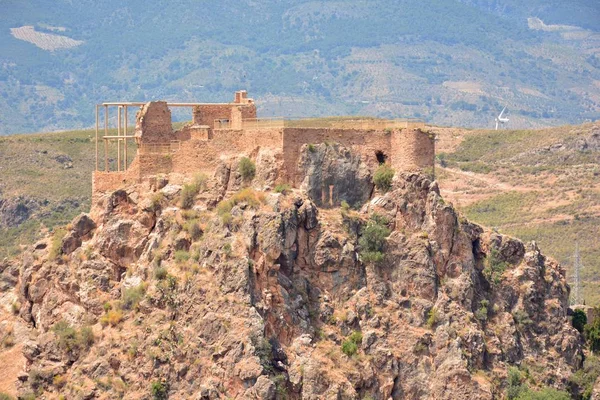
583, 380
579, 320
247, 169
372, 239
227, 249
383, 177
59, 381
181, 256
432, 318
349, 348
252, 198
193, 229
188, 196
156, 201
592, 335
494, 267
159, 390
4, 396
282, 188
71, 339
482, 312
311, 148
132, 296
350, 345
160, 273
112, 318
56, 243
345, 206
521, 318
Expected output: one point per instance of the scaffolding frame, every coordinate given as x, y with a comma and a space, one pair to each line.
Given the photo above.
123, 134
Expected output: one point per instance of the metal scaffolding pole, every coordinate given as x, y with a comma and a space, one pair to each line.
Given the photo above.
126, 142
105, 134
97, 137
119, 139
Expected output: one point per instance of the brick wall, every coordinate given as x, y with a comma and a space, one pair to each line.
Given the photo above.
153, 123
366, 143
206, 114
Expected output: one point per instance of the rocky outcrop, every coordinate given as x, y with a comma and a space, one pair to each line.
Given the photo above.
276, 299
332, 174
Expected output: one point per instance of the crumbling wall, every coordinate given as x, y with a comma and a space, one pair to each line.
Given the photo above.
153, 124
201, 155
206, 114
103, 181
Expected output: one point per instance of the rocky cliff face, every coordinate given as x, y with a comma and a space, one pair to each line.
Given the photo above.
268, 296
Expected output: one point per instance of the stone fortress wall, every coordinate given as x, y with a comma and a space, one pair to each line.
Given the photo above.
221, 131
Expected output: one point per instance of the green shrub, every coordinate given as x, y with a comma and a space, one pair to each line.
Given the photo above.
264, 352
71, 339
544, 394
345, 206
193, 229
514, 386
160, 273
583, 380
181, 256
282, 188
156, 201
349, 348
188, 196
592, 334
579, 320
56, 242
482, 312
159, 390
227, 249
521, 318
494, 267
247, 169
311, 148
132, 296
350, 345
432, 318
383, 177
372, 239
247, 195
4, 396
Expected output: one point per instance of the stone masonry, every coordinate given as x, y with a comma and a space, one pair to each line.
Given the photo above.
221, 131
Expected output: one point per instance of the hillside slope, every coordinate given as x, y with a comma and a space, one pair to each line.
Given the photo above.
537, 185
453, 62
253, 294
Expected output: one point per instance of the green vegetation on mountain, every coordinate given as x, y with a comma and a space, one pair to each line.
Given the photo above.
454, 62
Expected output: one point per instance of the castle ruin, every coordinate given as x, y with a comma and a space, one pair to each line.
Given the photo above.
224, 130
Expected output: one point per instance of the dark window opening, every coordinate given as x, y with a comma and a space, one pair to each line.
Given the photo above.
381, 157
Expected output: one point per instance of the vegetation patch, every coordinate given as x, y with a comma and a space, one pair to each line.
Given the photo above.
372, 239
71, 339
383, 177
247, 169
351, 344
248, 196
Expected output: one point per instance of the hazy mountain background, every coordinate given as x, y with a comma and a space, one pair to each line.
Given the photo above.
447, 61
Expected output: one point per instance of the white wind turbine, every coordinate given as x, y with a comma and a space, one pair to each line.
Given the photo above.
500, 120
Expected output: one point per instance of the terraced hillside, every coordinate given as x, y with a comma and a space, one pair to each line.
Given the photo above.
541, 185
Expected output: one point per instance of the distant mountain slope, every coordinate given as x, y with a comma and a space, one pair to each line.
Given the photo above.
451, 62
537, 185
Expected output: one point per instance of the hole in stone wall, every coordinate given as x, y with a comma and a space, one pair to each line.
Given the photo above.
381, 157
